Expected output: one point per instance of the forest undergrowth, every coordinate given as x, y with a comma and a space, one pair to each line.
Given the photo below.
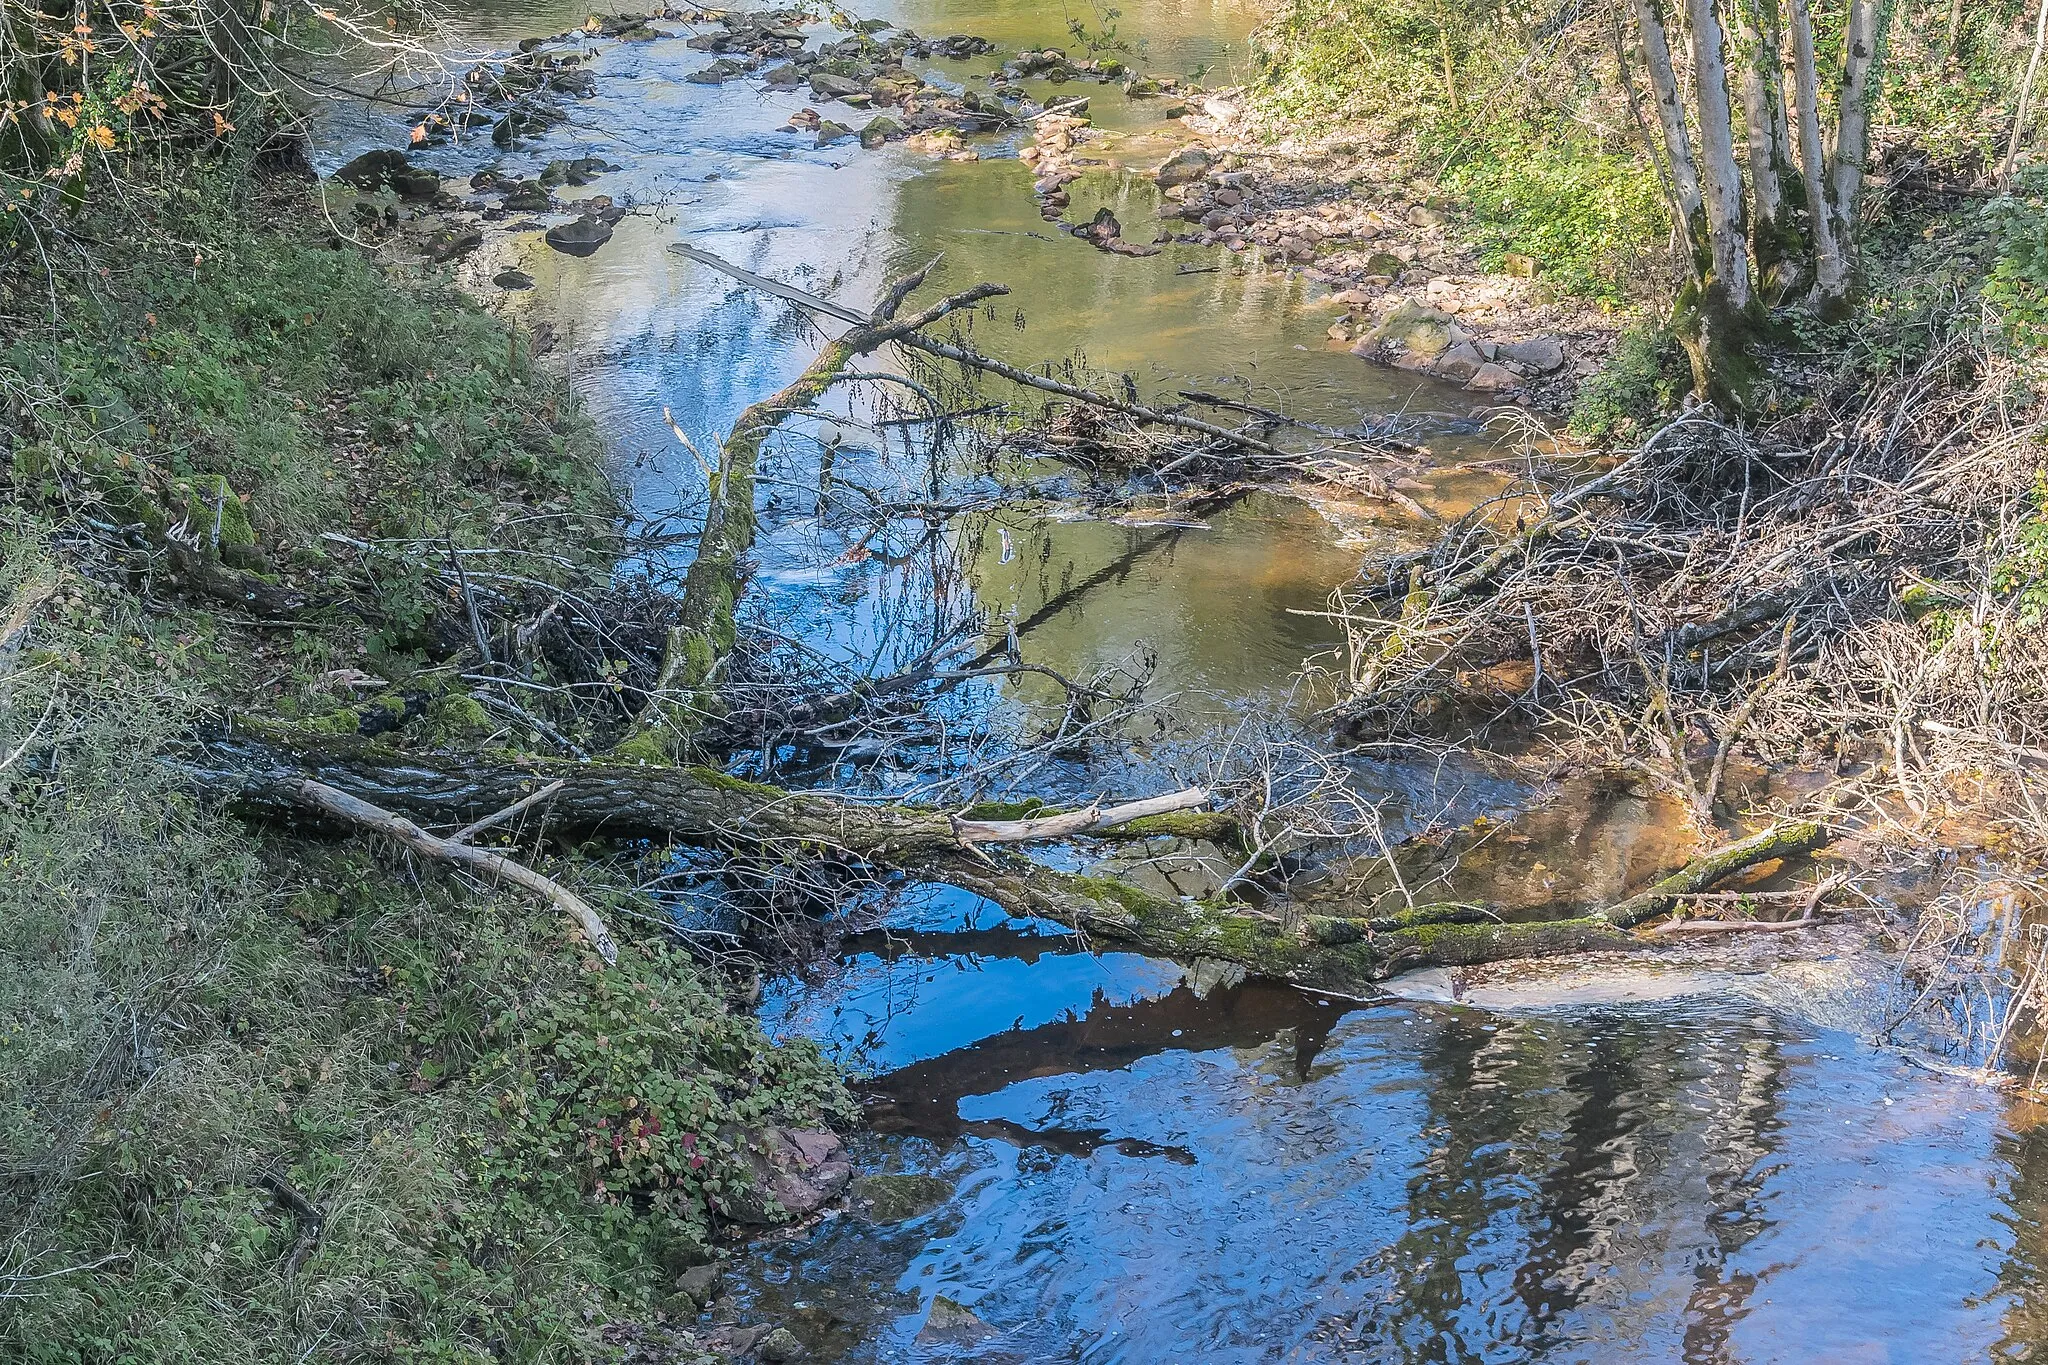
268, 1096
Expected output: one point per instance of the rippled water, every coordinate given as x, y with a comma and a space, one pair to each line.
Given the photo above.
1127, 1160
1144, 1168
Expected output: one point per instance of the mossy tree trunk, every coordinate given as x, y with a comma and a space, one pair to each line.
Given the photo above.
630, 801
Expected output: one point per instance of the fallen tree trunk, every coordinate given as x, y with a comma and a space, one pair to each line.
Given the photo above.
621, 800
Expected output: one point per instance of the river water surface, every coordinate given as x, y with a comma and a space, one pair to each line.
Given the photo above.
1092, 1156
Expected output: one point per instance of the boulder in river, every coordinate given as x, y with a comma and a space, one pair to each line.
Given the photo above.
952, 1323
1412, 335
1492, 378
1459, 363
582, 237
527, 196
372, 170
879, 131
779, 1347
717, 73
830, 132
798, 1169
512, 279
1184, 167
826, 85
899, 1198
699, 1284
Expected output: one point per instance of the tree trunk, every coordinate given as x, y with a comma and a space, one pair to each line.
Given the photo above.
1775, 190
627, 801
2025, 107
1720, 176
1860, 65
1685, 176
705, 626
1830, 263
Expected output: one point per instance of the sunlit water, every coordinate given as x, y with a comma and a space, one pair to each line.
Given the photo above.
1140, 1164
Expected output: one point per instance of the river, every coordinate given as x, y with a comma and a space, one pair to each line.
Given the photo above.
1078, 1155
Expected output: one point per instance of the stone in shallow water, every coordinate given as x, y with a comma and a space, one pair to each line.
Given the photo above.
899, 1198
780, 1345
951, 1323
580, 238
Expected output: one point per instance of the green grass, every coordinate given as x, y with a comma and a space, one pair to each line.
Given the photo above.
512, 1145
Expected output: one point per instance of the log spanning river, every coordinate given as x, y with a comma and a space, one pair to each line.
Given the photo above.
1080, 1155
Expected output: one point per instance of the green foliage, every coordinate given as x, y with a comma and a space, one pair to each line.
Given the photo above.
300, 375
1643, 378
190, 1008
1585, 214
2017, 286
1325, 58
2022, 575
1585, 207
511, 1143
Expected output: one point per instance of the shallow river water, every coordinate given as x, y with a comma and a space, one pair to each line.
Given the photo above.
1094, 1156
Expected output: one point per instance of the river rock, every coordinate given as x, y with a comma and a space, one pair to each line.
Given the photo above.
1423, 216
1492, 378
951, 1323
1459, 363
527, 196
451, 242
942, 142
779, 1346
717, 73
880, 130
899, 1198
799, 1169
580, 238
512, 279
825, 85
830, 132
415, 183
1184, 167
370, 170
1101, 228
1538, 354
1412, 334
699, 1284
783, 77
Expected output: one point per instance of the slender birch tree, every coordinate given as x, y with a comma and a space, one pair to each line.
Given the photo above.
1761, 233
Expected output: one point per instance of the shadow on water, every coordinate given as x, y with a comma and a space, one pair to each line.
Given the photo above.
924, 1097
1253, 1175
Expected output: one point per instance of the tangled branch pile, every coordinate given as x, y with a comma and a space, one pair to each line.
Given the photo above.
1842, 585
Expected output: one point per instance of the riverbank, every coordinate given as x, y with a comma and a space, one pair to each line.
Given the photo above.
1412, 285
270, 1092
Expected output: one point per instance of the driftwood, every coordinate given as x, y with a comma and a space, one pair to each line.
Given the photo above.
1092, 820
322, 799
1784, 840
352, 778
909, 336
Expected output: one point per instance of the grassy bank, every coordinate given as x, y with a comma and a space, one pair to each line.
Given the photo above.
215, 1035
